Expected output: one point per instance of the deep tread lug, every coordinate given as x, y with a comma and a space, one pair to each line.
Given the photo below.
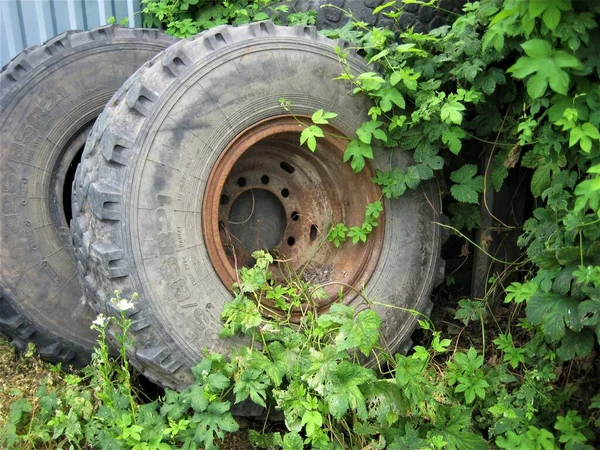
160, 357
104, 201
140, 98
110, 259
115, 148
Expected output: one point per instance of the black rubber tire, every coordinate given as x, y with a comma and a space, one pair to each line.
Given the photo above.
421, 18
225, 80
50, 95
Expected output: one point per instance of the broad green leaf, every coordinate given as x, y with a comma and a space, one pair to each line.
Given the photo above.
309, 136
321, 117
313, 421
547, 66
452, 111
358, 151
552, 311
452, 136
344, 393
549, 10
361, 333
388, 97
369, 129
467, 185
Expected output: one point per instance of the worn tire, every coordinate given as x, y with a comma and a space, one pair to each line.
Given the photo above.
50, 96
421, 18
181, 110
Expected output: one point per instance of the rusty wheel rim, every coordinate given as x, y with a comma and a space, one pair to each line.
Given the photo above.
266, 191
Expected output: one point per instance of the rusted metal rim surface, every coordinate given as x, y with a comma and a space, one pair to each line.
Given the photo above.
268, 192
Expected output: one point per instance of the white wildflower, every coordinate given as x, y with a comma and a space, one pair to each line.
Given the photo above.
100, 321
124, 304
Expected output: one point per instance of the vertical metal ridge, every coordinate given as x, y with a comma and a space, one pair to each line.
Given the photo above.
84, 11
53, 18
41, 21
21, 24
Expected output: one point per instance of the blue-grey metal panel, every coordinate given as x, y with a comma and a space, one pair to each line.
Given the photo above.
24, 23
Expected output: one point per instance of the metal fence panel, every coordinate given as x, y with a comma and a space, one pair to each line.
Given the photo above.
24, 23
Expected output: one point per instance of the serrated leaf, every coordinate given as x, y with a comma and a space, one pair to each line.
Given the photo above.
357, 151
452, 137
361, 333
551, 311
369, 129
467, 185
309, 136
344, 393
573, 344
451, 112
388, 97
547, 66
321, 117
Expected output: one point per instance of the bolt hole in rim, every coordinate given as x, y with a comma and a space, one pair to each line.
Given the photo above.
287, 197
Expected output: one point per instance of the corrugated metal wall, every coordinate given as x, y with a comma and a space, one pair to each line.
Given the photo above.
24, 23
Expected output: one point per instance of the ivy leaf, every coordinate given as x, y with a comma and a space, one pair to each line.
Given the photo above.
358, 151
388, 97
467, 184
321, 117
452, 137
309, 135
369, 129
361, 333
547, 66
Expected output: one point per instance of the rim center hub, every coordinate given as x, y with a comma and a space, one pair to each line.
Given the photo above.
256, 221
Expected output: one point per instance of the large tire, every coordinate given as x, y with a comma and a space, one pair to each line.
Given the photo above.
139, 223
418, 17
50, 96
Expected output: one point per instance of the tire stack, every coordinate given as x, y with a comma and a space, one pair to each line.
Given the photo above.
169, 134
